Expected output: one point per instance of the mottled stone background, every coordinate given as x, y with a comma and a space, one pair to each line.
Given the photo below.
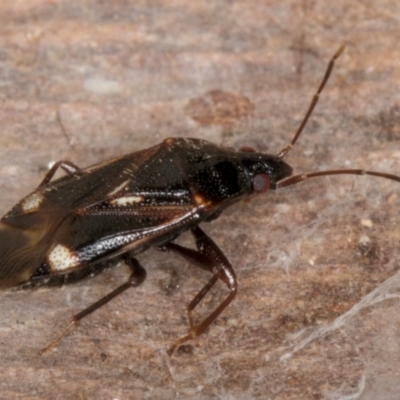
317, 314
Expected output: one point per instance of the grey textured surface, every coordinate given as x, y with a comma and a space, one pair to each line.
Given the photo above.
317, 311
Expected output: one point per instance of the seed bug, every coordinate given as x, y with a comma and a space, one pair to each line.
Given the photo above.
74, 226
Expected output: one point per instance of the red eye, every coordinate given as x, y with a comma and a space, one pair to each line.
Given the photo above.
261, 183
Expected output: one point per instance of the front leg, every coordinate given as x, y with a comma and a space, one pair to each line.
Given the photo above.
212, 259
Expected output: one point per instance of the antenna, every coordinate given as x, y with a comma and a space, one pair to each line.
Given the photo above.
314, 101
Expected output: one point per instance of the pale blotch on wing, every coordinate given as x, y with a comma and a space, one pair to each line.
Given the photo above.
127, 200
61, 258
32, 202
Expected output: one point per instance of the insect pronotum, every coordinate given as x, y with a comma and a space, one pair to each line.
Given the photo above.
73, 227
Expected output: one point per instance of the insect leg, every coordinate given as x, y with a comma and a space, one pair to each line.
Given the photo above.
210, 258
137, 277
67, 166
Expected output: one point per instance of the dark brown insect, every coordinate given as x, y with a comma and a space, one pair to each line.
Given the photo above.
72, 227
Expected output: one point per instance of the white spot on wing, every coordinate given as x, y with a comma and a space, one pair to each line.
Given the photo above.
127, 200
32, 202
61, 258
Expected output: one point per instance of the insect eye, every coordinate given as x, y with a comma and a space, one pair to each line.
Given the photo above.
261, 183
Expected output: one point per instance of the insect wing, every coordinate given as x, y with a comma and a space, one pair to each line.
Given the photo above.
123, 205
